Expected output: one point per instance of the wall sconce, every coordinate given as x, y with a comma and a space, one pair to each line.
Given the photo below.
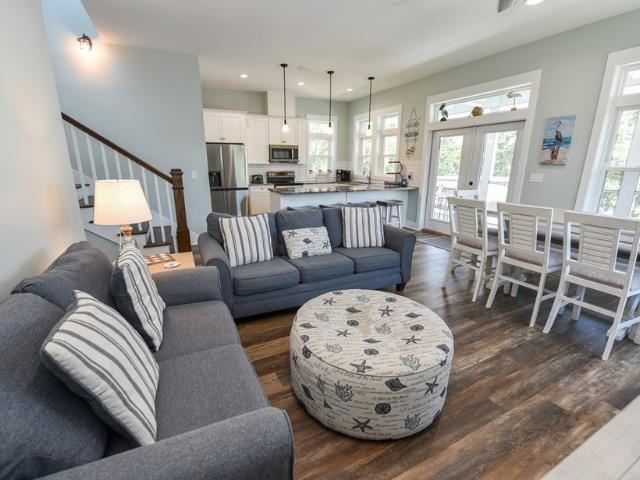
84, 42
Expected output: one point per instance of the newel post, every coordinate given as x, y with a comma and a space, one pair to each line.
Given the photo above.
182, 231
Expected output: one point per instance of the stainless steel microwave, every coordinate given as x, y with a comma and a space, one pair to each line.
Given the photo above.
283, 153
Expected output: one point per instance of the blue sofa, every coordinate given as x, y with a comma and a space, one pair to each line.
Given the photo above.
214, 420
284, 283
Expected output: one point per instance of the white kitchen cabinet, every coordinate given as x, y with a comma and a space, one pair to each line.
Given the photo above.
223, 127
278, 137
259, 199
303, 140
257, 139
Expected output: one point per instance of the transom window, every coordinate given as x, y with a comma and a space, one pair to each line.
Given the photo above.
322, 142
378, 148
491, 102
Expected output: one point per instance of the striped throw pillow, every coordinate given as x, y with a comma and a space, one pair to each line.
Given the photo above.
137, 296
247, 239
362, 227
100, 357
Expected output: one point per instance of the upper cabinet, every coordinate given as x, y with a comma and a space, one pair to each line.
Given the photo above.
257, 139
223, 127
278, 137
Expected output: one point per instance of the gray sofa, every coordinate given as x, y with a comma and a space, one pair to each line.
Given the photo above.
214, 420
284, 283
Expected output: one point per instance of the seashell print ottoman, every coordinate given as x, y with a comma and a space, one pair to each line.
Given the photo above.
370, 364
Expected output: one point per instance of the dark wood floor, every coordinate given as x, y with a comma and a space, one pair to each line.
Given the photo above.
519, 401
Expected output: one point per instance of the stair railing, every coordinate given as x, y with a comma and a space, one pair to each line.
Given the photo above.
157, 185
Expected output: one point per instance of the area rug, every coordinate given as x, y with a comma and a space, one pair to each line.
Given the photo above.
440, 242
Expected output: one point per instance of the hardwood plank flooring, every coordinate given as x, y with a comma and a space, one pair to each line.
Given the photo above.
519, 401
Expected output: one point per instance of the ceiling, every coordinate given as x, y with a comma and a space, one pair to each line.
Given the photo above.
395, 40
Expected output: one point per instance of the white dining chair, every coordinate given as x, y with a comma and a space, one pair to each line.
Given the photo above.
472, 194
596, 266
519, 249
468, 220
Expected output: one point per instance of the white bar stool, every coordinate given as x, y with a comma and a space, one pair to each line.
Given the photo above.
392, 211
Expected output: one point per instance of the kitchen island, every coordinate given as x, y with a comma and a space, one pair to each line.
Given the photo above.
339, 193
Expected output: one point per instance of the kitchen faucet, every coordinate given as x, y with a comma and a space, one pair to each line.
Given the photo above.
365, 166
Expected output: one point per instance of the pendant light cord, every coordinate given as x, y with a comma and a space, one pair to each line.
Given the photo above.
284, 89
330, 72
370, 93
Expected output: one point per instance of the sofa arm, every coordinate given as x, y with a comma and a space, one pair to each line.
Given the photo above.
255, 446
213, 254
191, 285
402, 242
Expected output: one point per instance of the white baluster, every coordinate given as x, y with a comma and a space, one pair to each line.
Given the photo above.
76, 151
92, 161
130, 166
105, 164
162, 232
117, 157
171, 214
146, 194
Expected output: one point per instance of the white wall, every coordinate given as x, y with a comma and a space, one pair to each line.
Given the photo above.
38, 213
147, 101
572, 65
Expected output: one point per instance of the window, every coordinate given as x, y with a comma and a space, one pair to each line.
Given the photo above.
322, 143
491, 102
611, 178
378, 148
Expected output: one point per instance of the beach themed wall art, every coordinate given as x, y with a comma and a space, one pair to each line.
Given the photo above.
556, 145
411, 133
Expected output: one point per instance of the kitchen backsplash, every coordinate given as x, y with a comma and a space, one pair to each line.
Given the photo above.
302, 175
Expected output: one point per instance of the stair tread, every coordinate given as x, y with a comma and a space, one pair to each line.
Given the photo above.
157, 244
79, 185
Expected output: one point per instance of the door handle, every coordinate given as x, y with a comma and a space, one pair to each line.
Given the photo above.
471, 184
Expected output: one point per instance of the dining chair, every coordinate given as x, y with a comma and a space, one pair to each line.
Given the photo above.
596, 266
468, 221
519, 248
472, 194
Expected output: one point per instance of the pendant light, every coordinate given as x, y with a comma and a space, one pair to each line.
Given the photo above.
371, 79
285, 127
330, 129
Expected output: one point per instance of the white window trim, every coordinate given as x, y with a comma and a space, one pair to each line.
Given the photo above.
527, 114
377, 158
603, 125
334, 138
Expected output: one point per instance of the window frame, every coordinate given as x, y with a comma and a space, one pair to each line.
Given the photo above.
333, 140
611, 104
377, 135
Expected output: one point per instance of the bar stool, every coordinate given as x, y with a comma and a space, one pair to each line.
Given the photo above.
392, 211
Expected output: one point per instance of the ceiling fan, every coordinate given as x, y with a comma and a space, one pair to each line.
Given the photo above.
504, 4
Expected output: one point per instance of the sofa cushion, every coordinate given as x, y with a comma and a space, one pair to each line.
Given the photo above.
206, 387
362, 227
293, 219
44, 426
307, 242
275, 274
333, 222
371, 259
316, 269
81, 266
101, 358
194, 327
247, 239
213, 228
137, 296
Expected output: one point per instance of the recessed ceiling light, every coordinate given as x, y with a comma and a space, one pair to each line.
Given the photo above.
349, 89
300, 84
533, 2
244, 75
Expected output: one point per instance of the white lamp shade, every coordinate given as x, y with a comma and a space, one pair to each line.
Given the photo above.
120, 202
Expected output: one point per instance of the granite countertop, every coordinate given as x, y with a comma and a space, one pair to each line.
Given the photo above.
335, 188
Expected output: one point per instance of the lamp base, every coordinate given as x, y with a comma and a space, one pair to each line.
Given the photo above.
126, 235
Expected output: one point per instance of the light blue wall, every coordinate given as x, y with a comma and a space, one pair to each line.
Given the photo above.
241, 100
147, 101
572, 65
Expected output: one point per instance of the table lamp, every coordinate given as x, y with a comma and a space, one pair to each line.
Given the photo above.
120, 202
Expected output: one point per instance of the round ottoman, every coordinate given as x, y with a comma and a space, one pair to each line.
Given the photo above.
370, 364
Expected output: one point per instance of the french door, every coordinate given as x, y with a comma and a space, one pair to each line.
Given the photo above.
474, 158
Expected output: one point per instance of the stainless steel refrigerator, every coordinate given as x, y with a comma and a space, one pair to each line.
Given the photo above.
228, 178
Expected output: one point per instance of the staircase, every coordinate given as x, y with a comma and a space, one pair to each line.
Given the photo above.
94, 157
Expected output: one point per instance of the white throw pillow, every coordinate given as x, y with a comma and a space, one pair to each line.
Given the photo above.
362, 227
247, 239
307, 242
137, 296
100, 357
